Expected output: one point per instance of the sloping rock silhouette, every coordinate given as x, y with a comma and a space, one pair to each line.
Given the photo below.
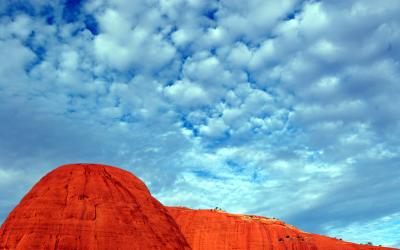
90, 206
217, 230
93, 206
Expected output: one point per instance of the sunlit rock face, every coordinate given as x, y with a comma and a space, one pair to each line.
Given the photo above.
93, 206
217, 230
90, 206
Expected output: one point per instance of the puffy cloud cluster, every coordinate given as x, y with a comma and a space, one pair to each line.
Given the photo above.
256, 106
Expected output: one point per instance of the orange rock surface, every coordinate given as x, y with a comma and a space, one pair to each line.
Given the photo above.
92, 206
89, 206
218, 230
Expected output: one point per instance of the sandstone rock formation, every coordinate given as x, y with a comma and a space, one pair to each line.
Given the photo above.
89, 206
217, 230
92, 206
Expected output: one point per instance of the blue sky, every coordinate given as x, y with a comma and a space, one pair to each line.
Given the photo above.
286, 109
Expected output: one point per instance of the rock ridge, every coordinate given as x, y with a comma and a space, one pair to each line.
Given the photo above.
211, 229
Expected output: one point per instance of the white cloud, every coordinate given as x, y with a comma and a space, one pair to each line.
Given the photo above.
20, 27
208, 70
187, 94
250, 19
278, 101
127, 45
313, 19
18, 57
325, 50
215, 128
263, 55
239, 56
184, 36
371, 231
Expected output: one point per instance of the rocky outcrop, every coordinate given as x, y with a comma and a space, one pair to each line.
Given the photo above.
217, 230
90, 206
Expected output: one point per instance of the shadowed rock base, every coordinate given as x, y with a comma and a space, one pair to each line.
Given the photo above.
218, 230
90, 206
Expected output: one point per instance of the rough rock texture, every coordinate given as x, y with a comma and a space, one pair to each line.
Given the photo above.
92, 206
89, 206
217, 230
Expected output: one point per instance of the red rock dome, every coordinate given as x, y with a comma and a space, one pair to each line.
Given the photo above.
90, 206
217, 230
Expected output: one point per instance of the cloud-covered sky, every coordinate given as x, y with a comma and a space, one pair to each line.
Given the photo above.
287, 109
